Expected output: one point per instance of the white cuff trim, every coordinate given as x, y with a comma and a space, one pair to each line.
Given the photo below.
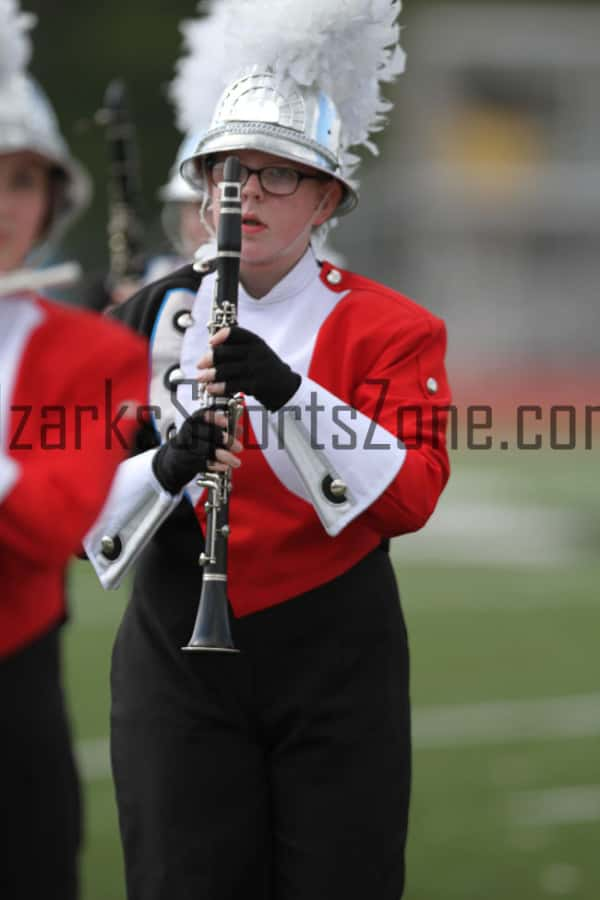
136, 507
329, 441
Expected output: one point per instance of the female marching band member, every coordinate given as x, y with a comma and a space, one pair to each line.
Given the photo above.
281, 772
55, 472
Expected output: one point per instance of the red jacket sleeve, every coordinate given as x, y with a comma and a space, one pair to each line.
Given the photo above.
413, 397
391, 367
68, 435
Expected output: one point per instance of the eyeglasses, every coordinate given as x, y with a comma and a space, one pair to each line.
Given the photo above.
280, 180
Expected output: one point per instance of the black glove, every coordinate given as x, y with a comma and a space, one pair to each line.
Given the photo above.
188, 453
246, 363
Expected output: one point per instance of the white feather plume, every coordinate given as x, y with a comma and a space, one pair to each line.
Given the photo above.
346, 47
15, 43
202, 72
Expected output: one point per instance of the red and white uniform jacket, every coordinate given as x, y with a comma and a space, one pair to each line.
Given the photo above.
370, 413
65, 375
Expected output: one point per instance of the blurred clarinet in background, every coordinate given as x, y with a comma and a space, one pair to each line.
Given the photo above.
125, 230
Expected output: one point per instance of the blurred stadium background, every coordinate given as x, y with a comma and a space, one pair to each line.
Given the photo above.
485, 207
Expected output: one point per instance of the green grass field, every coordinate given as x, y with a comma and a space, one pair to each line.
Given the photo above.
501, 596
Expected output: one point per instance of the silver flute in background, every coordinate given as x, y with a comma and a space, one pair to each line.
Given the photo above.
34, 280
211, 628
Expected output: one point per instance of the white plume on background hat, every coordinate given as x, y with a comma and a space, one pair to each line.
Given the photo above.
27, 120
300, 79
15, 44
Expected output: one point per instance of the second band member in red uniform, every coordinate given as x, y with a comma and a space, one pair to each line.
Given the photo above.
60, 390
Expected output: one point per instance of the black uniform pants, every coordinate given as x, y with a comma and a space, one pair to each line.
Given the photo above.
281, 773
39, 794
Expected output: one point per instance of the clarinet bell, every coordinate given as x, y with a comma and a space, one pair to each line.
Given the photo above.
212, 631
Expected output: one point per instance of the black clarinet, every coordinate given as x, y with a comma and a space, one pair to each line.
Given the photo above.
211, 628
125, 231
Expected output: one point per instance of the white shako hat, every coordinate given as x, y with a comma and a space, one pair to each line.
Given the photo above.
300, 80
176, 190
28, 122
259, 112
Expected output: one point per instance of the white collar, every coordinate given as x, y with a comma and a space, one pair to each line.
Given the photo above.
292, 284
288, 289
